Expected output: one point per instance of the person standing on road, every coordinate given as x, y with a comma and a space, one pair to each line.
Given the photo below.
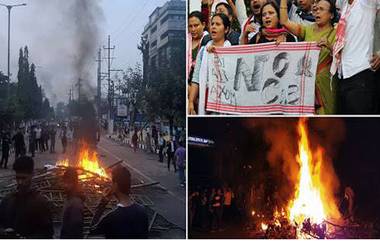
64, 139
5, 146
129, 220
32, 140
73, 214
180, 156
38, 138
134, 140
19, 144
52, 134
161, 146
170, 152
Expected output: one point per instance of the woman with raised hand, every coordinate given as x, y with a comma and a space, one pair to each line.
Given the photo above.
220, 26
322, 32
271, 29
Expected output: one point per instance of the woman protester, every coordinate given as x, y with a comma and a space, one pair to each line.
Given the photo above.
322, 32
220, 26
271, 30
196, 24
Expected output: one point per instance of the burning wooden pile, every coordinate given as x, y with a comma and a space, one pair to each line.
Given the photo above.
94, 181
313, 210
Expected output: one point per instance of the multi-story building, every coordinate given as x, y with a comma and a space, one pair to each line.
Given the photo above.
166, 25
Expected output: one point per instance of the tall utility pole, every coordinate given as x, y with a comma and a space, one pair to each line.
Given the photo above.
110, 86
9, 7
99, 87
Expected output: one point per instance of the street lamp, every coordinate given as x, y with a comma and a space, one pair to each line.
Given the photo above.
9, 7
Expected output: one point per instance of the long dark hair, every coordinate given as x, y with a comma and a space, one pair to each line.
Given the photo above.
226, 21
276, 8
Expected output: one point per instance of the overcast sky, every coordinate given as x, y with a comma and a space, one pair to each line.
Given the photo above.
63, 37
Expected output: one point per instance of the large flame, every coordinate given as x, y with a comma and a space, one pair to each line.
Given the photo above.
87, 161
308, 202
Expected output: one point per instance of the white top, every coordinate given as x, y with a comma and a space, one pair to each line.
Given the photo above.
358, 49
294, 17
253, 24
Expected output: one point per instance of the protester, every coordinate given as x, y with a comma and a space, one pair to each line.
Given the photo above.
5, 147
38, 138
161, 144
63, 136
25, 213
220, 26
73, 211
323, 32
19, 143
226, 9
170, 153
135, 139
271, 30
354, 59
217, 210
32, 140
251, 25
180, 155
52, 134
196, 25
129, 220
302, 13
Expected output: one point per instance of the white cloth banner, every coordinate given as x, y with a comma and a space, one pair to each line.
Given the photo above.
263, 79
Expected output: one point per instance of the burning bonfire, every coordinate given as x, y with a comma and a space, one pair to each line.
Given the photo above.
88, 161
312, 212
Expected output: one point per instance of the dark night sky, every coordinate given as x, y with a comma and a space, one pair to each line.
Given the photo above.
356, 162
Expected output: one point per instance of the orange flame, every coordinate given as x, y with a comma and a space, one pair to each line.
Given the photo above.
87, 161
308, 202
314, 197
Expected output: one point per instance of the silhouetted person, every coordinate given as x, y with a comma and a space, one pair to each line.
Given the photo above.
26, 212
129, 220
73, 212
134, 140
5, 146
64, 138
52, 134
19, 144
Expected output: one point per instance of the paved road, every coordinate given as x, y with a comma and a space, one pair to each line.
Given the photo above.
168, 198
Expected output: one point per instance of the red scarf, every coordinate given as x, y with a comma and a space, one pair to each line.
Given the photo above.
340, 40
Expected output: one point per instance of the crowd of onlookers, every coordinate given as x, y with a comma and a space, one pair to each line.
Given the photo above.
169, 148
349, 59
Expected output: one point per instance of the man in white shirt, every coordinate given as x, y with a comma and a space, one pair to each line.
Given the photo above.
357, 86
251, 25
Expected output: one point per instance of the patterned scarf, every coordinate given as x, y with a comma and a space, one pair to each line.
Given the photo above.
340, 40
273, 32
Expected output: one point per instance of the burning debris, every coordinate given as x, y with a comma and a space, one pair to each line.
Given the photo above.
94, 181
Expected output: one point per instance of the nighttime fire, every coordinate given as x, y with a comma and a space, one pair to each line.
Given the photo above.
288, 178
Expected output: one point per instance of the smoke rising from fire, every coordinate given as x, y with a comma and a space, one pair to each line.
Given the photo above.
325, 135
63, 37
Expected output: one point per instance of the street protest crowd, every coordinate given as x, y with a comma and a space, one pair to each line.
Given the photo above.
169, 148
346, 31
25, 213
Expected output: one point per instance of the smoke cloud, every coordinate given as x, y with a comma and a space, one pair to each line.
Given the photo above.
63, 37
